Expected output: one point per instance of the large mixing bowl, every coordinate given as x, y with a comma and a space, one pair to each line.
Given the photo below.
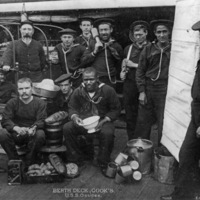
90, 123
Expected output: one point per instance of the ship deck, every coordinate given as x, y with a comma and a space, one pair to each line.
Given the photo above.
91, 184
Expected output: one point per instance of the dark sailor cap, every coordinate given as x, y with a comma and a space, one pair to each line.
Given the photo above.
63, 77
89, 19
139, 22
26, 22
67, 31
104, 21
165, 22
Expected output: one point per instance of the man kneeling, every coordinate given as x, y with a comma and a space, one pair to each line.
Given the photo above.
92, 98
23, 122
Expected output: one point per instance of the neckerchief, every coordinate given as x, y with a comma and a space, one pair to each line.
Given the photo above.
90, 107
87, 40
113, 51
161, 56
107, 45
65, 52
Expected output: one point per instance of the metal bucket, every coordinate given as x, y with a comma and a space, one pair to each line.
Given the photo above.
142, 151
165, 166
54, 134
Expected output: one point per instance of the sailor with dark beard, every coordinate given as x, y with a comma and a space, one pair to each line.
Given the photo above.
28, 53
105, 56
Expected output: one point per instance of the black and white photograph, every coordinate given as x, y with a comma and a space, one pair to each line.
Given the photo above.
99, 99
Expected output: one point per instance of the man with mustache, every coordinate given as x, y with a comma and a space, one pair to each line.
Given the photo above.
92, 98
23, 123
106, 55
29, 54
152, 80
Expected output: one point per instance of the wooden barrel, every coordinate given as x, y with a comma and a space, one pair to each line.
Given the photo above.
54, 134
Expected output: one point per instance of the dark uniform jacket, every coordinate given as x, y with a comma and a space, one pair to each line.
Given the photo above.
84, 41
30, 57
112, 55
104, 103
7, 92
152, 58
73, 57
196, 96
134, 57
61, 103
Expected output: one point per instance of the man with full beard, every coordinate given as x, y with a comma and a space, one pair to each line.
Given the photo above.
28, 53
105, 56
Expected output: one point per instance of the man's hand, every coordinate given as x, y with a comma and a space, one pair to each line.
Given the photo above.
198, 132
77, 120
20, 130
142, 98
129, 63
32, 131
80, 71
6, 67
123, 75
54, 59
103, 121
98, 45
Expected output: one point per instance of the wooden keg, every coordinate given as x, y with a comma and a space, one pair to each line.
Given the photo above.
54, 134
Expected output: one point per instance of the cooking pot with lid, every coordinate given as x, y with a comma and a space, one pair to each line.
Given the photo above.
142, 151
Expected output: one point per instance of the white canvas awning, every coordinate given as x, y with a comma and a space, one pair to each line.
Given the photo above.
184, 57
82, 4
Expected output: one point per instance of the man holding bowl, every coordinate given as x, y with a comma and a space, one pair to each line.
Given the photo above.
92, 98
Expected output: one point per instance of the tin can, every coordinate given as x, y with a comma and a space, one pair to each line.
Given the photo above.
111, 170
15, 172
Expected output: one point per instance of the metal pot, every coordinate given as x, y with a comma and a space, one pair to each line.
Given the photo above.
142, 151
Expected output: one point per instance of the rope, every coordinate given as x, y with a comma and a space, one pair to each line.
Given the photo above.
107, 66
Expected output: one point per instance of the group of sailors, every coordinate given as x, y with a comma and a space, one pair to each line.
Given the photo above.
89, 64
